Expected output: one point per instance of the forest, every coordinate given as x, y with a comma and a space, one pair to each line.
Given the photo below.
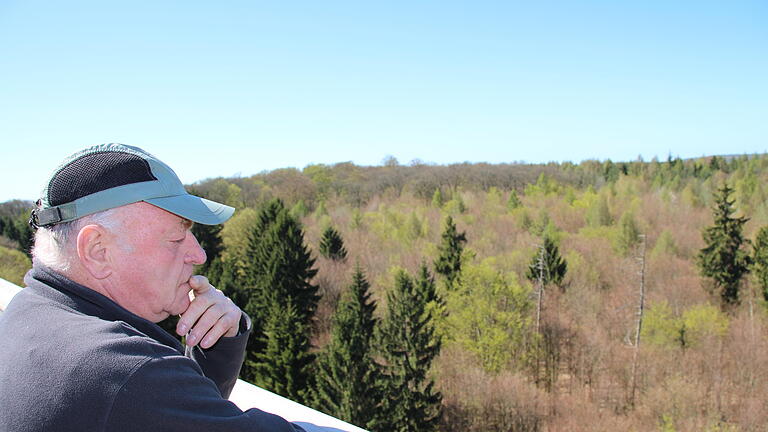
497, 297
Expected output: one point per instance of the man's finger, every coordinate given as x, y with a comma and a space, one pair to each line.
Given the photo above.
222, 328
199, 284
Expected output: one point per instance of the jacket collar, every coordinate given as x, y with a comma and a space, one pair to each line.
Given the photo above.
56, 287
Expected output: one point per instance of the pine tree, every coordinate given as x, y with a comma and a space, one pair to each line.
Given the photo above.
451, 248
332, 245
277, 273
346, 376
408, 347
760, 261
724, 259
547, 265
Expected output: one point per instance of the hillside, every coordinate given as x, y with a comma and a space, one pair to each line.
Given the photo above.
616, 225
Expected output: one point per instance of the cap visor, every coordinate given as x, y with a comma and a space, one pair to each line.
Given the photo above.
196, 209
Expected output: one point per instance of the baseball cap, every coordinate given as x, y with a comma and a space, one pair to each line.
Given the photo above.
107, 176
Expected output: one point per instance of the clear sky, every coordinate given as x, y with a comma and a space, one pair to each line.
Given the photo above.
219, 88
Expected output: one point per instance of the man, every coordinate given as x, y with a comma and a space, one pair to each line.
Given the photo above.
114, 255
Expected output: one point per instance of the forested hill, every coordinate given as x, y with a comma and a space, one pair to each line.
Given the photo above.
514, 291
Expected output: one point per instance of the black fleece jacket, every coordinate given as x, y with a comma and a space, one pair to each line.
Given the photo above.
74, 360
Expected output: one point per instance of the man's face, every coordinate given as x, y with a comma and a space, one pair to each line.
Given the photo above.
153, 257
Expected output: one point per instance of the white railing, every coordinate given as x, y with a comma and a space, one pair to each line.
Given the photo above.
246, 395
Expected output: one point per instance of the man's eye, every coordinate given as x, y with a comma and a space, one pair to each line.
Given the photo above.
181, 240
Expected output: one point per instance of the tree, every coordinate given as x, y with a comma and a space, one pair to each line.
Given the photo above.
760, 260
276, 279
489, 315
437, 198
332, 245
514, 201
408, 346
629, 234
547, 265
724, 259
451, 248
346, 376
283, 366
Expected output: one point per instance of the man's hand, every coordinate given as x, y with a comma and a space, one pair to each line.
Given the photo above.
210, 315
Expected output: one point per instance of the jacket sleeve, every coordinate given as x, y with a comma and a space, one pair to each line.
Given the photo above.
170, 394
222, 362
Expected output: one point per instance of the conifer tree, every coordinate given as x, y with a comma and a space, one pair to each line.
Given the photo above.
332, 245
283, 366
437, 198
277, 273
760, 261
629, 234
724, 259
514, 201
451, 248
547, 265
346, 376
408, 346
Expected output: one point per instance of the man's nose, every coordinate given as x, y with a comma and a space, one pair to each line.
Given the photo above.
195, 254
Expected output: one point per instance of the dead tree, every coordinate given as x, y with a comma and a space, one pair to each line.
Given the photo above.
640, 308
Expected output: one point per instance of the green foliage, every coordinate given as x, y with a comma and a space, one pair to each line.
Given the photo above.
493, 197
220, 190
448, 262
489, 315
393, 225
628, 236
547, 265
662, 327
283, 366
234, 236
332, 245
455, 206
724, 258
347, 379
760, 261
408, 346
514, 201
209, 237
276, 279
16, 228
598, 213
665, 244
356, 221
299, 210
13, 265
437, 198
544, 186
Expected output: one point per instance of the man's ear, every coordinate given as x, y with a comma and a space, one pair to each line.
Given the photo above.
93, 247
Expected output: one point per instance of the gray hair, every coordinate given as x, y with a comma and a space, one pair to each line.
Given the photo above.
55, 246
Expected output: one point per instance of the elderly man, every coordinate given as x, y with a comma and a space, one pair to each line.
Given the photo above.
114, 255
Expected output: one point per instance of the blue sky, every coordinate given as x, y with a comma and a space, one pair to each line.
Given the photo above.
237, 87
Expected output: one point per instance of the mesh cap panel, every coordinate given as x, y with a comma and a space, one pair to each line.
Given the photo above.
96, 172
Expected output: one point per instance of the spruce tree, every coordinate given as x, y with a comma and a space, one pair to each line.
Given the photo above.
514, 201
283, 366
332, 245
346, 376
277, 273
547, 265
760, 261
408, 346
451, 248
724, 259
